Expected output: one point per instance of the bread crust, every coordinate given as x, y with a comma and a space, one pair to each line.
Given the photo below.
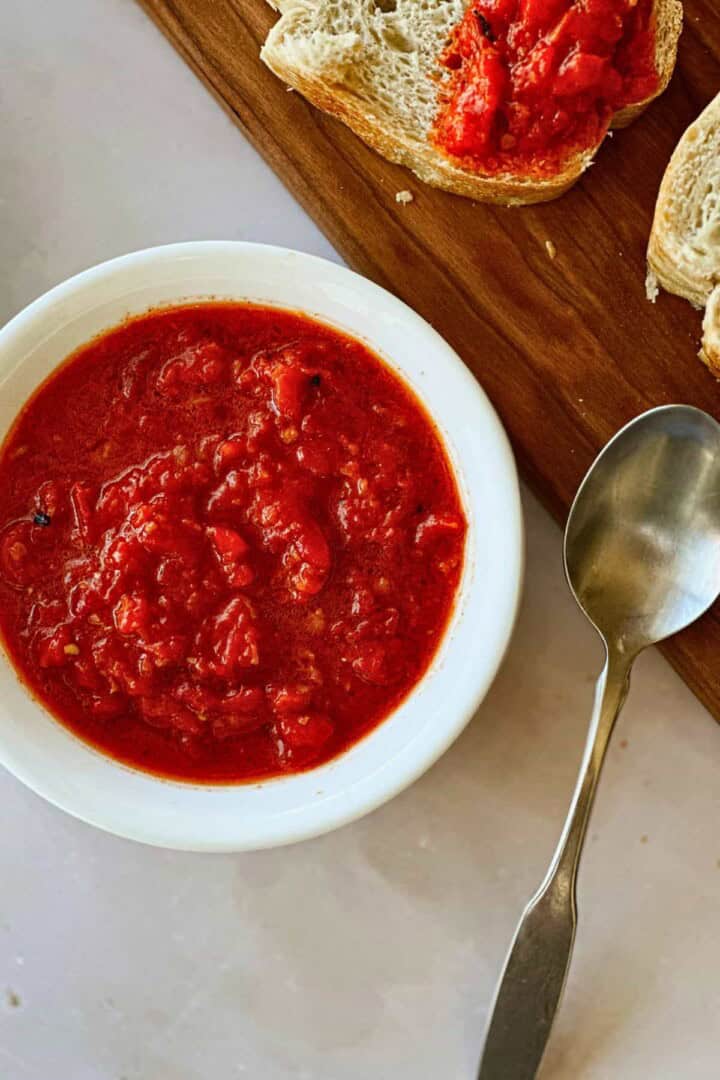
673, 272
429, 163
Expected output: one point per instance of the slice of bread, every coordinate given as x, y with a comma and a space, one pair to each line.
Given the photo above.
684, 247
375, 65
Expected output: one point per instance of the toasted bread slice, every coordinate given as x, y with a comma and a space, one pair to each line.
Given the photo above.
374, 64
684, 248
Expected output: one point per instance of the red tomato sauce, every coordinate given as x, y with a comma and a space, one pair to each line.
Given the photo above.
230, 542
533, 82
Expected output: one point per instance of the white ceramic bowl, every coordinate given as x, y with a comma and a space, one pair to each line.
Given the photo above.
79, 779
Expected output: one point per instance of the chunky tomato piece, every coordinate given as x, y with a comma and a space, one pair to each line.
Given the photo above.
108, 706
83, 503
229, 642
17, 563
162, 711
165, 528
304, 734
229, 451
56, 647
45, 613
530, 83
230, 495
260, 432
288, 700
228, 543
86, 675
290, 385
231, 552
583, 71
237, 713
372, 644
124, 558
437, 527
167, 649
49, 499
125, 670
470, 122
376, 662
289, 531
132, 614
307, 558
253, 562
197, 365
291, 376
316, 455
533, 17
117, 496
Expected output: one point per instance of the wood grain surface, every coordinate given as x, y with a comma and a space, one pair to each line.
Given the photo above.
568, 348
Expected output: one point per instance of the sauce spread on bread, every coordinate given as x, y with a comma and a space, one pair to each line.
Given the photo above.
230, 542
534, 82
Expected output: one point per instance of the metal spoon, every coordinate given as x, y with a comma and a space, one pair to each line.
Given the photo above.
642, 557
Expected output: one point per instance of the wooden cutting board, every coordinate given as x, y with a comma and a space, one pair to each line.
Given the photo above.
568, 348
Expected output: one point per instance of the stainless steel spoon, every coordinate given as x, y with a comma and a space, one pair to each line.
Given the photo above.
642, 557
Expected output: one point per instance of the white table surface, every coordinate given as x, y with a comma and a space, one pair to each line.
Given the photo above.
371, 952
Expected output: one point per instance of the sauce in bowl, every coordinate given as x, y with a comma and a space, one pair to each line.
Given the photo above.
230, 545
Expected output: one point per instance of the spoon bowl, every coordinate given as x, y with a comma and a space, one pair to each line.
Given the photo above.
642, 543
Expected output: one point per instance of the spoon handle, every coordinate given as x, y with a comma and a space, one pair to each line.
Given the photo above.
536, 967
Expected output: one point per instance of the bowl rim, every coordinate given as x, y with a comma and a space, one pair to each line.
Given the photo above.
360, 798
